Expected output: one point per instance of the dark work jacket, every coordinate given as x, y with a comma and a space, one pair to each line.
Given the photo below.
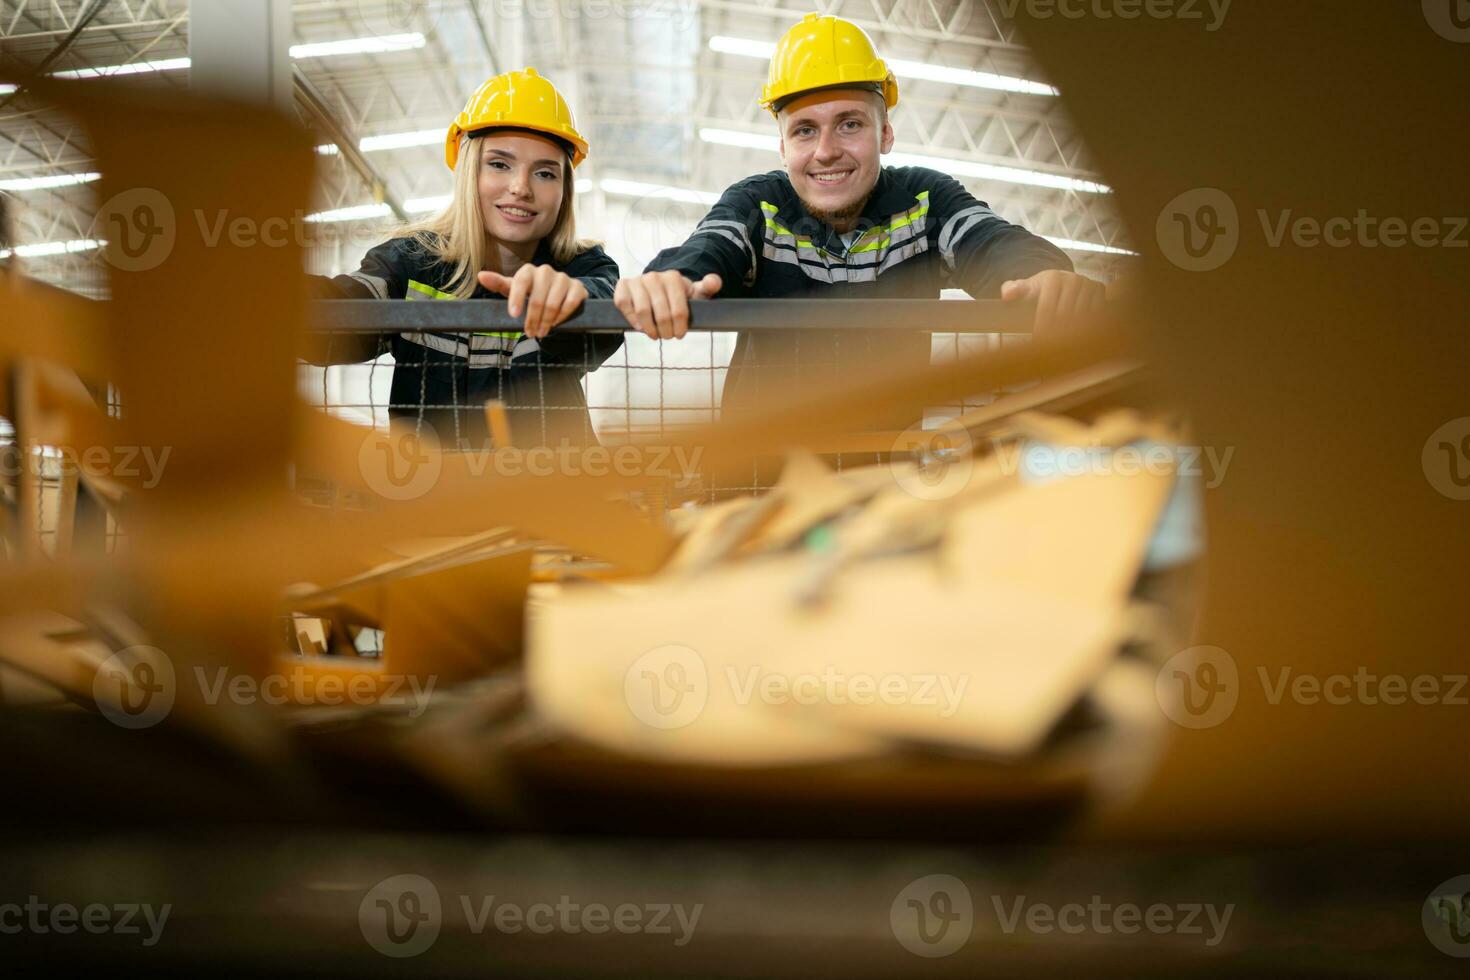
444, 381
920, 232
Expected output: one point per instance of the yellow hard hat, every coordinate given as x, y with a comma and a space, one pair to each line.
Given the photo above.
822, 52
518, 100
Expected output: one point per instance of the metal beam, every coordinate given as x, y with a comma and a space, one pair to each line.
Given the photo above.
315, 105
601, 316
790, 15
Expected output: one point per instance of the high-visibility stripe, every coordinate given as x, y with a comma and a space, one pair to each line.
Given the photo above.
376, 284
958, 226
477, 359
425, 292
732, 230
876, 251
898, 221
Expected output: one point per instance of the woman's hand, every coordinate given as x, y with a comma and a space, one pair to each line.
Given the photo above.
546, 296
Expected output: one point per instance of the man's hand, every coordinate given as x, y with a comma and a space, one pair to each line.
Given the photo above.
657, 303
547, 296
1062, 298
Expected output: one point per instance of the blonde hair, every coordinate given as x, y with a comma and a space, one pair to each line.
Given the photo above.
457, 237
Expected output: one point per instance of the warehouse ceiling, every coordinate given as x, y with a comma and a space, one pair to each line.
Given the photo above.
665, 89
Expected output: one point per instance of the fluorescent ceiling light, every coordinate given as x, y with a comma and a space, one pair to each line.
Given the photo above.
949, 165
41, 183
748, 48
966, 76
358, 45
324, 49
39, 249
390, 141
633, 188
394, 141
418, 205
6, 89
414, 205
1073, 245
734, 137
136, 68
358, 212
583, 186
987, 171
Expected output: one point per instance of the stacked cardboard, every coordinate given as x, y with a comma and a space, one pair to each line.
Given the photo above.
957, 604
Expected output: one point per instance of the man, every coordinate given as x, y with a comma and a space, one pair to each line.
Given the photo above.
836, 223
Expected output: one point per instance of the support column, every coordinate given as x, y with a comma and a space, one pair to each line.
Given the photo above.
241, 49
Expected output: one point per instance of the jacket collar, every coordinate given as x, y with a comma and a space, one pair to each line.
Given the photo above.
889, 197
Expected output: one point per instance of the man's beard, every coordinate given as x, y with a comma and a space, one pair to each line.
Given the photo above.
840, 215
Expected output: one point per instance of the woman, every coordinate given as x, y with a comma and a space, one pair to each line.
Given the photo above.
508, 230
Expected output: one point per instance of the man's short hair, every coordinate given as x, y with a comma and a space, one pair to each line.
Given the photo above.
874, 87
